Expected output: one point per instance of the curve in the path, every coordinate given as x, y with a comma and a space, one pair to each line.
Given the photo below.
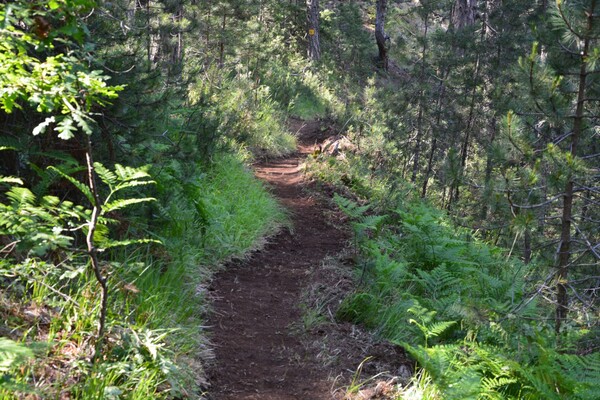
258, 355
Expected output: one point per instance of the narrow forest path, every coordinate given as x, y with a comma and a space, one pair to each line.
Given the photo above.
258, 354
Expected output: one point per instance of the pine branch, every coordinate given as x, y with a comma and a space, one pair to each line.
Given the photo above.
532, 206
586, 240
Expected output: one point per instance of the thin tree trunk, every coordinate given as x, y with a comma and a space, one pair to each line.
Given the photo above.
417, 150
222, 42
464, 151
438, 110
312, 20
93, 251
380, 35
149, 33
208, 25
527, 246
488, 172
429, 167
564, 251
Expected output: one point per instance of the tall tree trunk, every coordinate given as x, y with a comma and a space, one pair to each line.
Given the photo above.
488, 172
432, 150
464, 151
527, 246
380, 35
312, 20
208, 25
417, 151
222, 41
149, 36
463, 13
564, 251
469, 18
429, 166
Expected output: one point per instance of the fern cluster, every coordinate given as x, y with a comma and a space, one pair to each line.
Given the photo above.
461, 309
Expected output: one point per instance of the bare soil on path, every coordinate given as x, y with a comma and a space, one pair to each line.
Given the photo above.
261, 346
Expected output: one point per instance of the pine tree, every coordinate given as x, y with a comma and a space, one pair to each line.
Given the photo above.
553, 148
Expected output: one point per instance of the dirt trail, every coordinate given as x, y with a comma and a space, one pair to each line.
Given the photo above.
256, 313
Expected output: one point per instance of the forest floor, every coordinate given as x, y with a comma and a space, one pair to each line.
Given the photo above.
273, 324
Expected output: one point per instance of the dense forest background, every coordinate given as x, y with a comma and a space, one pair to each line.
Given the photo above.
472, 181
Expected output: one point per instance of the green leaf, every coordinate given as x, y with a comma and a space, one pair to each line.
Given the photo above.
21, 196
121, 243
129, 173
65, 128
72, 273
122, 203
81, 120
82, 187
42, 127
12, 353
106, 175
11, 179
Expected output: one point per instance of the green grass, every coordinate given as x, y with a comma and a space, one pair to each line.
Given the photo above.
155, 345
240, 209
244, 114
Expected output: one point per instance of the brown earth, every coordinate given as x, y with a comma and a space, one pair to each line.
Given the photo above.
273, 327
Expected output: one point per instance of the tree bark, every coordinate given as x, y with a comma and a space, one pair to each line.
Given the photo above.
417, 151
463, 13
433, 149
527, 246
312, 20
488, 172
380, 35
564, 251
222, 41
469, 18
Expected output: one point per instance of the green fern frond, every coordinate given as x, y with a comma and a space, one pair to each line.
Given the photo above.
349, 207
439, 281
107, 176
84, 189
122, 203
437, 328
21, 196
48, 176
584, 372
11, 180
495, 383
130, 184
10, 143
537, 386
436, 361
109, 244
370, 222
126, 173
12, 353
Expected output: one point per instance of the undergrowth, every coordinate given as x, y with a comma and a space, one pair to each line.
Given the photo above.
155, 346
473, 320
